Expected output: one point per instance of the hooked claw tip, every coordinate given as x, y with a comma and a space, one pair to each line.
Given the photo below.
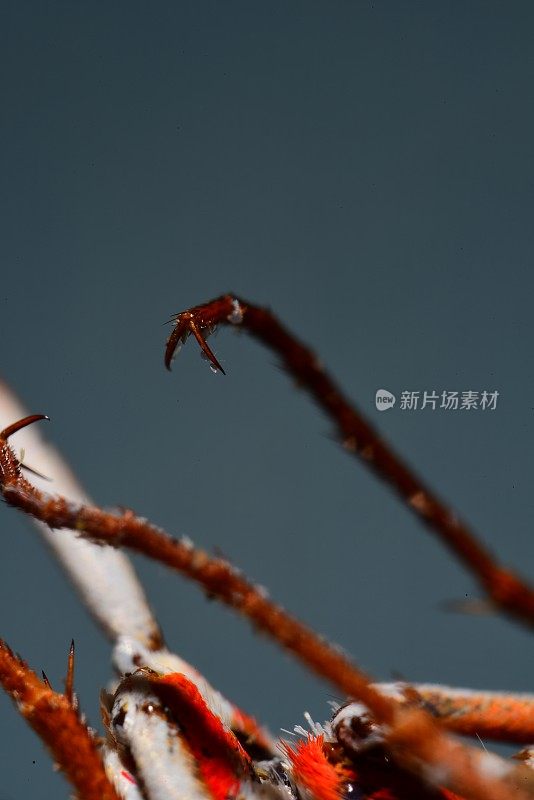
185, 325
20, 424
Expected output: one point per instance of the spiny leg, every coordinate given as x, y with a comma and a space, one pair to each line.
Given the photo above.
413, 738
215, 575
106, 579
103, 577
499, 716
505, 589
56, 721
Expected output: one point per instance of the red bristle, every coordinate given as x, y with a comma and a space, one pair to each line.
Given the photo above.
313, 770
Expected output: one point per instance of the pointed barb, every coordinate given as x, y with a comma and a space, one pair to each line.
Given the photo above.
206, 349
46, 681
20, 424
185, 324
35, 472
178, 335
69, 680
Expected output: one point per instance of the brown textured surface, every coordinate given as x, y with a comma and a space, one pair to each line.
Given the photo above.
499, 717
55, 720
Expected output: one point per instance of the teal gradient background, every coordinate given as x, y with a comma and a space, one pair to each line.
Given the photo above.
366, 169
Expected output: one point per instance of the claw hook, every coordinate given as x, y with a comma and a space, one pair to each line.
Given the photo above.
185, 325
18, 426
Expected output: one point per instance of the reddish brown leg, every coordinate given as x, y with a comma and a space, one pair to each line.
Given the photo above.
216, 576
506, 590
55, 720
489, 715
414, 739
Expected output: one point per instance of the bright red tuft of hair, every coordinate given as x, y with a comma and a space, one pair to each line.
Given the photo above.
312, 769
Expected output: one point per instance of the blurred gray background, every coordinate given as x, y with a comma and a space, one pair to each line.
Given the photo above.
366, 170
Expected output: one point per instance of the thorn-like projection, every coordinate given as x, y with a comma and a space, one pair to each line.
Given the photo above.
191, 322
73, 747
206, 349
46, 681
35, 472
20, 424
69, 680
